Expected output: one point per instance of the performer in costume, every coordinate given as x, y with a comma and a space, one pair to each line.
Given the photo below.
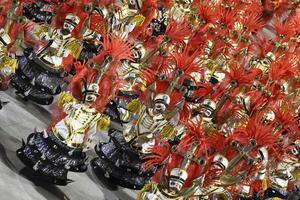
120, 159
39, 74
8, 42
181, 167
94, 27
52, 153
7, 64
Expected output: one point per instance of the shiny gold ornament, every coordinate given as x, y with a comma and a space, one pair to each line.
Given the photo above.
296, 174
134, 106
7, 67
138, 20
75, 48
167, 132
103, 123
264, 184
146, 188
42, 29
64, 98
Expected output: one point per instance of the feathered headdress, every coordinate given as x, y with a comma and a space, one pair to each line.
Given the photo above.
71, 6
283, 29
226, 19
236, 77
206, 12
252, 21
161, 154
103, 73
286, 121
263, 133
177, 31
282, 70
116, 46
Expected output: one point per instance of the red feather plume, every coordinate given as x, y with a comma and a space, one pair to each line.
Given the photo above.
283, 28
252, 20
205, 11
159, 153
83, 74
282, 70
286, 120
226, 18
116, 46
240, 74
185, 60
178, 31
262, 133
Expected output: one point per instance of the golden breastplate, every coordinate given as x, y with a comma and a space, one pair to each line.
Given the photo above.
142, 133
57, 48
72, 131
81, 119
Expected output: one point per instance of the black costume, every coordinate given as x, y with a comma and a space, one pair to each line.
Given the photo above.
37, 12
51, 158
119, 162
36, 81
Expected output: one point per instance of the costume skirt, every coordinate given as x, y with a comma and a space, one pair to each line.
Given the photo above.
50, 158
120, 163
36, 82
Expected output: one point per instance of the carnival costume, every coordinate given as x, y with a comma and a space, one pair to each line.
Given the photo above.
200, 99
39, 75
61, 149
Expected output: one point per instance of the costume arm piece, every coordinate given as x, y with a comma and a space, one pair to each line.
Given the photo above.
64, 99
7, 67
103, 122
150, 187
167, 131
296, 173
133, 107
74, 49
43, 33
137, 20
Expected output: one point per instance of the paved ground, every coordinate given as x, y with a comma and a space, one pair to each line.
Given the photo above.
18, 119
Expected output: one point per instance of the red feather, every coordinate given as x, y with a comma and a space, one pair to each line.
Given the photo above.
279, 70
205, 11
252, 20
116, 46
178, 31
263, 134
83, 73
283, 28
241, 75
159, 153
226, 18
285, 118
185, 60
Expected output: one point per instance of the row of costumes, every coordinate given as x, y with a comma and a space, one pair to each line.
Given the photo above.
199, 98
